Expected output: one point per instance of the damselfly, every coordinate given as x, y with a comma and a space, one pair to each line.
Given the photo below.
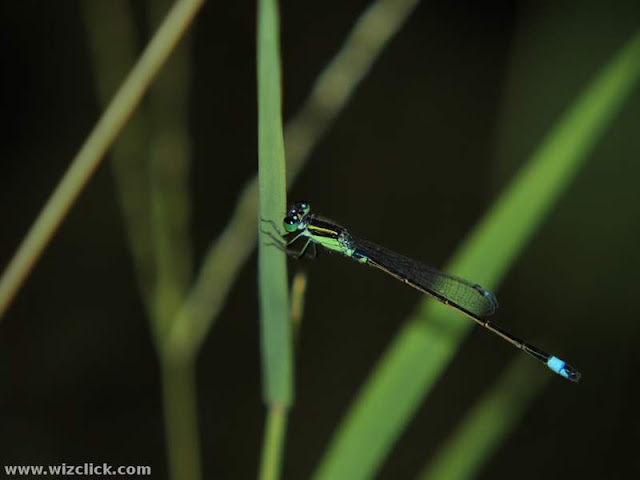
468, 298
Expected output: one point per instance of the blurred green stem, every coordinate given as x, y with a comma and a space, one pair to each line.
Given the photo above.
298, 293
169, 169
94, 148
181, 417
338, 81
274, 436
488, 423
112, 59
151, 164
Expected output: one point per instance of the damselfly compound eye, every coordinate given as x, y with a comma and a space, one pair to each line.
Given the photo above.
290, 223
301, 208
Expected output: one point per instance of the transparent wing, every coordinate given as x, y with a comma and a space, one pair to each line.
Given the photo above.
468, 297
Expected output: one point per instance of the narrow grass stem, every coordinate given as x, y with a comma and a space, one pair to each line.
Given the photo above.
181, 417
273, 443
298, 293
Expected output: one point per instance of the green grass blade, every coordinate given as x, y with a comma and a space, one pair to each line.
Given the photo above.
272, 268
419, 353
488, 423
275, 323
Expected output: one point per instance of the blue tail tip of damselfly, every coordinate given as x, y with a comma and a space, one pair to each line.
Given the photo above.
563, 369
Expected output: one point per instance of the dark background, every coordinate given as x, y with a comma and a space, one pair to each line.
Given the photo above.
451, 109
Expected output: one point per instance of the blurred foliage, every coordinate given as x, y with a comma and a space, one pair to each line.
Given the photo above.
459, 98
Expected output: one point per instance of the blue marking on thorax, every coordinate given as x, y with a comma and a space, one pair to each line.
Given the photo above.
359, 257
558, 366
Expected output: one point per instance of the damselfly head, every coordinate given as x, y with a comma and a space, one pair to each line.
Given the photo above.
300, 208
294, 220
